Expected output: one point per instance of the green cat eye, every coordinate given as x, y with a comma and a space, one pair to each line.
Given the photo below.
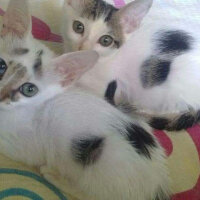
3, 67
106, 40
28, 89
78, 27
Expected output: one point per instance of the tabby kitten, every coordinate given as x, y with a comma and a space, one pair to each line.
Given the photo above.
97, 25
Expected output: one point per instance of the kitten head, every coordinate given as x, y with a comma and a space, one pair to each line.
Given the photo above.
97, 25
29, 73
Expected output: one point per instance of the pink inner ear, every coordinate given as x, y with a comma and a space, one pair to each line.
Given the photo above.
119, 3
130, 25
14, 24
68, 75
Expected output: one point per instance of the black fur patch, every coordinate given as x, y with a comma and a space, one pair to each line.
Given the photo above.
110, 92
174, 41
198, 116
140, 139
154, 72
20, 51
37, 67
87, 150
98, 8
159, 123
184, 121
3, 68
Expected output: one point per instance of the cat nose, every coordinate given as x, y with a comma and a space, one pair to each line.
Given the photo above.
84, 46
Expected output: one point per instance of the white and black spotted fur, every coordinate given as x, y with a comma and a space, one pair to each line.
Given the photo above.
80, 143
161, 79
157, 69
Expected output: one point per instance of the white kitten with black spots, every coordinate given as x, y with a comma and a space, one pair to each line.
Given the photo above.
80, 142
156, 70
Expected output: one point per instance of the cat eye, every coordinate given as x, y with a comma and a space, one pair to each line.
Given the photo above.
106, 40
28, 90
78, 27
3, 67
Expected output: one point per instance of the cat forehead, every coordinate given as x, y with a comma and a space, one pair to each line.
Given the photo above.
22, 54
98, 27
14, 46
102, 20
93, 9
25, 50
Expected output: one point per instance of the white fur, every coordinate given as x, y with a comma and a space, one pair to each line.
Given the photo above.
39, 132
41, 135
97, 79
179, 92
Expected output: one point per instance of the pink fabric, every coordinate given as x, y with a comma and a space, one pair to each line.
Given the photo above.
164, 141
42, 31
194, 132
119, 3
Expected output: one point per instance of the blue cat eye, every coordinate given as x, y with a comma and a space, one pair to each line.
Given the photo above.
28, 89
3, 67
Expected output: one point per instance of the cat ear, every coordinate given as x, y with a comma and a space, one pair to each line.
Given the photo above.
75, 4
133, 13
17, 19
72, 66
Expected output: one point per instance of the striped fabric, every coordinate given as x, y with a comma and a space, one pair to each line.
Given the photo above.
18, 182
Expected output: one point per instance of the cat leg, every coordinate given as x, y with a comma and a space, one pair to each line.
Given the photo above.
62, 183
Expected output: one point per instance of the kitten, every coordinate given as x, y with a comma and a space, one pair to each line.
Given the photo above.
155, 73
97, 20
161, 78
97, 25
78, 141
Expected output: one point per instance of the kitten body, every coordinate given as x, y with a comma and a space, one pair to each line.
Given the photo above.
107, 156
79, 142
161, 78
156, 68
